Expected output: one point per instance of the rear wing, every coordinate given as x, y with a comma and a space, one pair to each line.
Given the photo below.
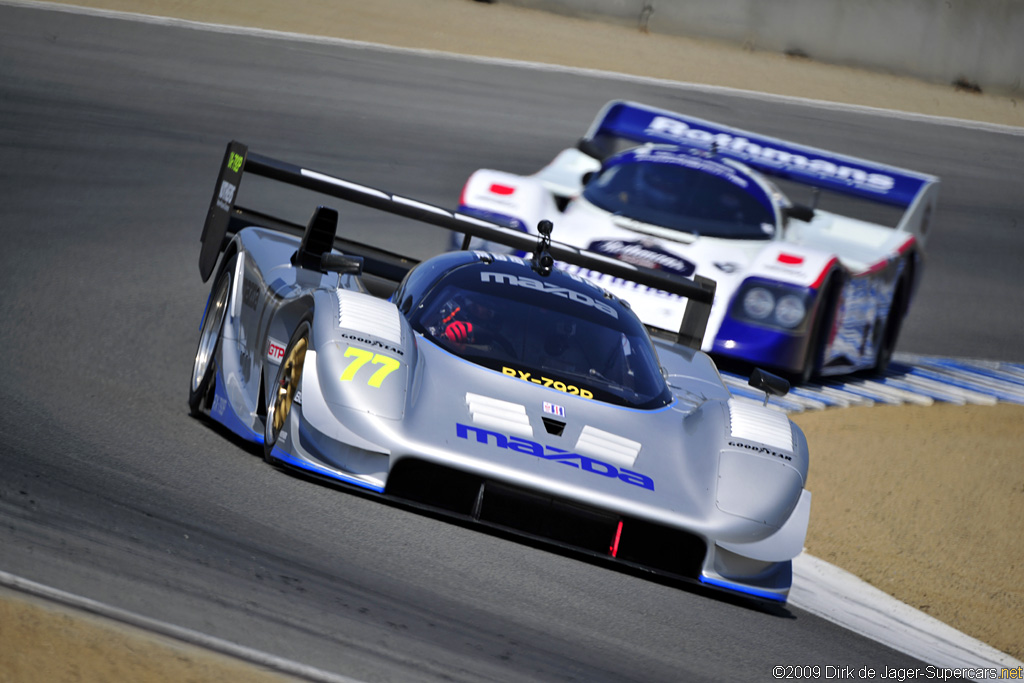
226, 217
916, 193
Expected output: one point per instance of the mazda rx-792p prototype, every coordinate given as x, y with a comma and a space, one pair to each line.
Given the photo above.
494, 388
804, 290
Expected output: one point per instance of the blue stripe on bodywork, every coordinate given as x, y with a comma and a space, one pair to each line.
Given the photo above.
760, 345
299, 463
206, 309
740, 588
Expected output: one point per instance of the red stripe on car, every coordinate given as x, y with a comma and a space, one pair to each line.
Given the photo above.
885, 263
905, 247
824, 272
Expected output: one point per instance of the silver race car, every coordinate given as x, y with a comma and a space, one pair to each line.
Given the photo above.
494, 388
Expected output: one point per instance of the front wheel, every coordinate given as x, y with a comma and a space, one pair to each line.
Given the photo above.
209, 338
891, 329
821, 327
285, 388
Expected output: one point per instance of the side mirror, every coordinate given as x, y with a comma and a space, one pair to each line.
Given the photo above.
800, 212
590, 148
771, 385
339, 263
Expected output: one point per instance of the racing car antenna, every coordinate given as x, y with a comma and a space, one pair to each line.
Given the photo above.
543, 262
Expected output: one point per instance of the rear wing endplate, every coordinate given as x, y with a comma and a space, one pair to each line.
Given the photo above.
225, 216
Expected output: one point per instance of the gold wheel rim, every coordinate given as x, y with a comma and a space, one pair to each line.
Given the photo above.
288, 385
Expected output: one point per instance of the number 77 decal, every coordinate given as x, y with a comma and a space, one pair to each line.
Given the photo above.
362, 357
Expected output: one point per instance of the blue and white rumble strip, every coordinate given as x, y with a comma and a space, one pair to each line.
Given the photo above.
910, 379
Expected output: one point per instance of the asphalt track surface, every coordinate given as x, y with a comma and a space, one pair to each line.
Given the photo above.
111, 133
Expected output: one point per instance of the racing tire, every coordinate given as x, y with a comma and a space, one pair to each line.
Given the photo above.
204, 368
891, 331
286, 386
815, 346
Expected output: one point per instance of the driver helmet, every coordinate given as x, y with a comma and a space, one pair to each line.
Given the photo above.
460, 316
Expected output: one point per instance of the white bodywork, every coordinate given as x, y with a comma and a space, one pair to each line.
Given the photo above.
868, 258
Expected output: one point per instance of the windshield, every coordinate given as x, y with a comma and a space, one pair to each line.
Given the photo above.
684, 193
533, 330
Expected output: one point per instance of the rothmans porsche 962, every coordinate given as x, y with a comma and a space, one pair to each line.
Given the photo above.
803, 290
494, 388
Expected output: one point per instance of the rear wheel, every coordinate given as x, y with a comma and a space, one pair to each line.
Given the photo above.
285, 388
209, 338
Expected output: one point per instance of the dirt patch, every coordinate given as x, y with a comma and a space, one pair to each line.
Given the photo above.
926, 504
46, 642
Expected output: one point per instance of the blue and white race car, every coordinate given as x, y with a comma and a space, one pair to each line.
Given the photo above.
800, 289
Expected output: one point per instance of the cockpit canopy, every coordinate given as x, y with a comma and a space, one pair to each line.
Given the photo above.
685, 190
558, 331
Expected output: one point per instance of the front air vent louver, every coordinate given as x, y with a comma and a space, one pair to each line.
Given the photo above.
493, 413
371, 316
609, 447
754, 423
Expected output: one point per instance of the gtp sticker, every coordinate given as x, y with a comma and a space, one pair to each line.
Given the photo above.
275, 351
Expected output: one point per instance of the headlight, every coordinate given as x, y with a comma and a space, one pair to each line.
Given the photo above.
773, 304
790, 311
758, 303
